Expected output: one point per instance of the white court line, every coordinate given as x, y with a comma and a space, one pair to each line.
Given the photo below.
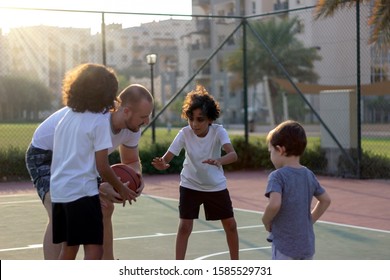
34, 246
227, 252
235, 209
20, 201
174, 233
260, 212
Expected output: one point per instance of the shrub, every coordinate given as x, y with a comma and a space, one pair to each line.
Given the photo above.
13, 164
251, 156
375, 166
315, 159
152, 151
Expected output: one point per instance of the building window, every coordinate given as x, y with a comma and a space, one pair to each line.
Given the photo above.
124, 42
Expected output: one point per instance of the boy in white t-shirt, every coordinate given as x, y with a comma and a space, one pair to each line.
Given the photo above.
80, 155
202, 177
132, 111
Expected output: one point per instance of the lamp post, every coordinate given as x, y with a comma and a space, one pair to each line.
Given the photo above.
151, 60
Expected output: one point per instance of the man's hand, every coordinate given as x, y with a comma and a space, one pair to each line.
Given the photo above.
108, 192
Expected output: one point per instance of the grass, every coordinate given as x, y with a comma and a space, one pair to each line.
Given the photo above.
19, 136
16, 135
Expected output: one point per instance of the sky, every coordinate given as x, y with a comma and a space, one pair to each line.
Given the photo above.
9, 18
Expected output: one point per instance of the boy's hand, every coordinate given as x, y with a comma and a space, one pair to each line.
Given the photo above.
213, 162
159, 163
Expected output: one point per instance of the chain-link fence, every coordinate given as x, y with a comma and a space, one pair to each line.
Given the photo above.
262, 68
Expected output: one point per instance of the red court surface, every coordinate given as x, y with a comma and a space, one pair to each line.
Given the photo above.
364, 203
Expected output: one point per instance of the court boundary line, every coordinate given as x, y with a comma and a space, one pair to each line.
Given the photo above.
238, 209
227, 252
260, 212
35, 246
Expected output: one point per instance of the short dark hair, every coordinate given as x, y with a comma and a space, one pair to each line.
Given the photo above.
290, 135
90, 87
200, 99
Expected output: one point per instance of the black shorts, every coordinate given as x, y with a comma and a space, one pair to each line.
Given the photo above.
216, 205
78, 222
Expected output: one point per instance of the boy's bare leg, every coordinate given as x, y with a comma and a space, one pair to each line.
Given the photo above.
230, 227
93, 252
108, 234
51, 251
68, 252
183, 234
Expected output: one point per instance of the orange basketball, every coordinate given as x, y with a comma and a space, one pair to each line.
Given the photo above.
127, 174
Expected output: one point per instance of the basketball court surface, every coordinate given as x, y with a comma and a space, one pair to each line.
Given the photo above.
355, 227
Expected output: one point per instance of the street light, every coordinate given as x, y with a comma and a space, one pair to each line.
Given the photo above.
151, 60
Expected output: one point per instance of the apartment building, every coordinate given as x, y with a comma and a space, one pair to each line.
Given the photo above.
188, 47
334, 38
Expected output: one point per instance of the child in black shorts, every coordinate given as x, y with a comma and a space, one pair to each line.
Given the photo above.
202, 178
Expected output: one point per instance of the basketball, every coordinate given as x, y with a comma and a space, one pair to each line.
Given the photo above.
127, 174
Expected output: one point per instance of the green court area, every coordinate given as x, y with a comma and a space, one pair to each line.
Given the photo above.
146, 230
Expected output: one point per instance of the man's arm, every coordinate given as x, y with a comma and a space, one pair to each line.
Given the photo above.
130, 157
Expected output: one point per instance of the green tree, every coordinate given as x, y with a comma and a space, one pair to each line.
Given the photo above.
23, 98
379, 18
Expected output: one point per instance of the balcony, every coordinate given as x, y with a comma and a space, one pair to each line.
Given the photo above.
281, 6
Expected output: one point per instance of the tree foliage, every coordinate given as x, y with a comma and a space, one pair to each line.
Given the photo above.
22, 98
379, 18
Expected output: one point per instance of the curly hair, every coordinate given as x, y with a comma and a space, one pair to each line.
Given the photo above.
90, 87
291, 135
200, 99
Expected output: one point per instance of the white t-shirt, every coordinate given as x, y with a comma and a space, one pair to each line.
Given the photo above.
76, 139
195, 174
43, 137
124, 137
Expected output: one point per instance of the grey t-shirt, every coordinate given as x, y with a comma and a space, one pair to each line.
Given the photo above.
292, 227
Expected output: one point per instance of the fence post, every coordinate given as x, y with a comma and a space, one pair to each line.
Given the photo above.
245, 79
103, 40
358, 94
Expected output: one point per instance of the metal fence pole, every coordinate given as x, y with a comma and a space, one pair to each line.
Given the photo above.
358, 93
245, 79
103, 40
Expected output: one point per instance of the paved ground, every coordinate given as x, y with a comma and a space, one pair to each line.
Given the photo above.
364, 203
357, 222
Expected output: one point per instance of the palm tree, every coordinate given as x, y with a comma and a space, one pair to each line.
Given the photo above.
280, 35
379, 19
